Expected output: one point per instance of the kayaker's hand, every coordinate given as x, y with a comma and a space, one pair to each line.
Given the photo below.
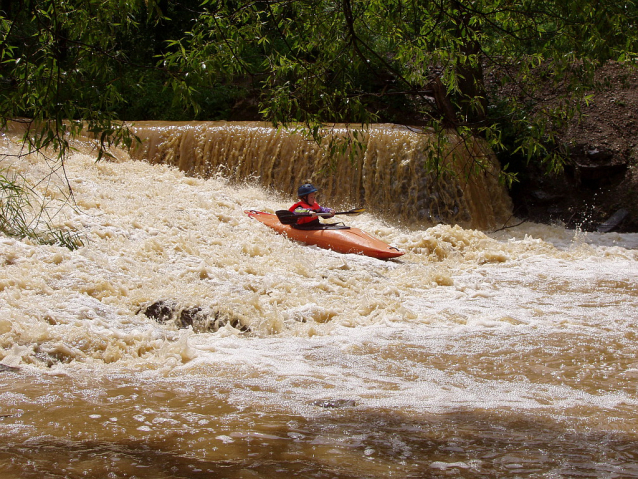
332, 212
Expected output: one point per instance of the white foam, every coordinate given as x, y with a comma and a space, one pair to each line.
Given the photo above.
323, 325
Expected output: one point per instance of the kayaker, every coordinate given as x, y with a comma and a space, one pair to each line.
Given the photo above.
307, 204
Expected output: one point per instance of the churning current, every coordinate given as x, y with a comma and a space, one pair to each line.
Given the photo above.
185, 340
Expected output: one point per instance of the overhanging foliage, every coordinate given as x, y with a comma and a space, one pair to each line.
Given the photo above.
510, 71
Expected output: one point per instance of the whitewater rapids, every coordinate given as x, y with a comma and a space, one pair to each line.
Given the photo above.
475, 354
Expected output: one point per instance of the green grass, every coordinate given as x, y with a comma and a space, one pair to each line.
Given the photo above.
21, 217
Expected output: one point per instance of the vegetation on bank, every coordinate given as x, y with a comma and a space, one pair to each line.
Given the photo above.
512, 72
24, 215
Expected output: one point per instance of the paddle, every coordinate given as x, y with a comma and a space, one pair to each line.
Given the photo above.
289, 218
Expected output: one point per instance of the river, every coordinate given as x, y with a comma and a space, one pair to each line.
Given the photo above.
508, 353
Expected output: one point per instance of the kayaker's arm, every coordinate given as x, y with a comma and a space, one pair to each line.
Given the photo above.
289, 217
326, 212
305, 212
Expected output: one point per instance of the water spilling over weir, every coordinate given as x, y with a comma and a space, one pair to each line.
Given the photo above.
390, 177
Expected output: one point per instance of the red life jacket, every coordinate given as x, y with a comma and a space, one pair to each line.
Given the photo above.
305, 219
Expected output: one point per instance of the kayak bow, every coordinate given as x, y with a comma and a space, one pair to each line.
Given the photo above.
342, 240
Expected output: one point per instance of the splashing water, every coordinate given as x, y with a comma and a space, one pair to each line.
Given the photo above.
390, 177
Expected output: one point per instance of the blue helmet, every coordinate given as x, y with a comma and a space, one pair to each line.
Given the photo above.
306, 190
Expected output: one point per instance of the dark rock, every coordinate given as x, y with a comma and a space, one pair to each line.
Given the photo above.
221, 319
555, 209
596, 155
194, 317
541, 196
190, 316
161, 311
335, 403
585, 153
8, 369
49, 358
597, 173
614, 221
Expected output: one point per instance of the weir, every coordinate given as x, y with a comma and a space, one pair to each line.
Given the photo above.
389, 176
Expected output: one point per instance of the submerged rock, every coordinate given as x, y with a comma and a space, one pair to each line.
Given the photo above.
334, 403
161, 311
195, 317
190, 316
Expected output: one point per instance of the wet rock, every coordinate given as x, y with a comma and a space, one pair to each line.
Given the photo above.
190, 316
50, 355
599, 173
334, 403
613, 222
201, 320
599, 155
8, 369
597, 165
46, 359
161, 311
221, 319
543, 197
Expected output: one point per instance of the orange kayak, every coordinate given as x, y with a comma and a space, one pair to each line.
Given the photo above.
342, 240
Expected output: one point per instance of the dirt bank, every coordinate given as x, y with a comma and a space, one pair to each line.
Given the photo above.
600, 181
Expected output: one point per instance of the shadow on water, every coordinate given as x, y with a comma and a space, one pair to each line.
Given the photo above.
347, 443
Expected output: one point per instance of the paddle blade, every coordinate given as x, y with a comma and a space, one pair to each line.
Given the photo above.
356, 211
286, 217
